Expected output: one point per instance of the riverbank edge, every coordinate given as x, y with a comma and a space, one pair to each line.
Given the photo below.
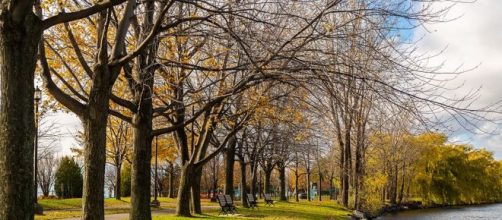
389, 209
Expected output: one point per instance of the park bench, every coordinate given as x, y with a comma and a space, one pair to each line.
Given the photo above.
226, 204
252, 201
230, 204
268, 199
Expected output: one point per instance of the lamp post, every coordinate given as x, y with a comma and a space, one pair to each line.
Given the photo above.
37, 96
155, 202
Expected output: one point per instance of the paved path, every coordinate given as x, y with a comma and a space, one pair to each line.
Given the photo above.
122, 216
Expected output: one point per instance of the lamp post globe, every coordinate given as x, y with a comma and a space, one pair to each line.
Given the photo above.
38, 95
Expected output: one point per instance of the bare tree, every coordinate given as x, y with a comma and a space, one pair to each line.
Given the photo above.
111, 183
171, 171
49, 135
46, 173
118, 149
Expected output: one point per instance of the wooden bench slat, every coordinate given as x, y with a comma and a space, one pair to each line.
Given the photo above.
226, 204
268, 199
252, 201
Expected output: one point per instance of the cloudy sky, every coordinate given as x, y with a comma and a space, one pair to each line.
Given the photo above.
474, 38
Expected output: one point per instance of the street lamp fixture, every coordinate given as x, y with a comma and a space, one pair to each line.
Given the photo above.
37, 96
155, 202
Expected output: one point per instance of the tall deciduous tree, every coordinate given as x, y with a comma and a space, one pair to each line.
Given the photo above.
19, 39
92, 104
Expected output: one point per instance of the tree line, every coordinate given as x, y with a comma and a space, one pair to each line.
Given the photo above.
266, 84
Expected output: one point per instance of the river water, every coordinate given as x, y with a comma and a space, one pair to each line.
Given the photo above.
484, 212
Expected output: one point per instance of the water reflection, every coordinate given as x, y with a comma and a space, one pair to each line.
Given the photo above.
492, 212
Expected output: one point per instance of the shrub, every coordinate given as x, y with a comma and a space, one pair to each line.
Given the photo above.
69, 179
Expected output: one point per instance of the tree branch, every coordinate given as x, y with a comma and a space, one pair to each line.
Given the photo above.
67, 17
69, 102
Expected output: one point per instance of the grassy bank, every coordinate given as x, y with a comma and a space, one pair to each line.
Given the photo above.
70, 208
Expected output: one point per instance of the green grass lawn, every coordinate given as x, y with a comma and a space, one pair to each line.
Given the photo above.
281, 210
65, 204
61, 214
69, 208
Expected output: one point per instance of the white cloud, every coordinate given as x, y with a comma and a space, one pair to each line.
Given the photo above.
68, 125
474, 38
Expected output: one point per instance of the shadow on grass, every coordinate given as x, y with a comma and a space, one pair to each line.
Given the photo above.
281, 210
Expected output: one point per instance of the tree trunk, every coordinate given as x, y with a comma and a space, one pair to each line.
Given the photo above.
118, 181
196, 206
282, 180
45, 191
215, 184
142, 123
401, 190
94, 122
320, 186
357, 177
183, 201
309, 191
266, 185
160, 187
171, 181
345, 190
260, 192
229, 167
19, 38
408, 186
297, 177
331, 187
254, 179
393, 186
187, 169
346, 169
243, 184
342, 165
141, 167
95, 156
384, 192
